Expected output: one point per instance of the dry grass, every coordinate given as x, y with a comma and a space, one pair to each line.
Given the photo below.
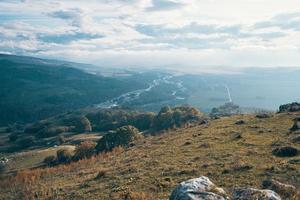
153, 167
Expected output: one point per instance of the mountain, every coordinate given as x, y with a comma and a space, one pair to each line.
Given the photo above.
33, 88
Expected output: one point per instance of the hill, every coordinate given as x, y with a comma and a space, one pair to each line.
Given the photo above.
227, 151
33, 89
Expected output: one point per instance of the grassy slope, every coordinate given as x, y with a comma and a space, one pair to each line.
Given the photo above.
155, 165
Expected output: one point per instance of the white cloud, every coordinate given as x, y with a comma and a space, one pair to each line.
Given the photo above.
149, 33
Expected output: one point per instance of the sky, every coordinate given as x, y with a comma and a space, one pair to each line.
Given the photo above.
186, 34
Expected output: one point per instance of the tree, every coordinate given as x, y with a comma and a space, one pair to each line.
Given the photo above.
82, 124
86, 149
123, 136
50, 161
64, 156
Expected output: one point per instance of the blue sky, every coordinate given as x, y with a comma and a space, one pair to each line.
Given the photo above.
194, 34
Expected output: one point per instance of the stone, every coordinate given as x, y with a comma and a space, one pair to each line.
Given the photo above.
263, 115
286, 151
285, 190
240, 122
295, 127
198, 189
254, 194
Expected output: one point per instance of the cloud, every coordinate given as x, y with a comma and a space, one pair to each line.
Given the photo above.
288, 21
74, 16
67, 38
158, 5
153, 32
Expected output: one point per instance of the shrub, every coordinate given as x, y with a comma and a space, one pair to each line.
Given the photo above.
170, 118
82, 124
143, 121
64, 156
13, 137
3, 165
27, 142
61, 139
122, 137
102, 173
50, 161
50, 131
86, 149
36, 127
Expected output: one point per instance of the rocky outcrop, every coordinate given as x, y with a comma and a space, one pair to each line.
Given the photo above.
285, 190
292, 107
286, 151
198, 189
295, 126
254, 194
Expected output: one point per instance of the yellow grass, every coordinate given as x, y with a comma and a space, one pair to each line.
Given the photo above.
156, 164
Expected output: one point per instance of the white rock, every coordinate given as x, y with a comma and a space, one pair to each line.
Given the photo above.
198, 189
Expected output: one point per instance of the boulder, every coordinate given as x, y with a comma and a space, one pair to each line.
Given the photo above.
254, 194
292, 107
295, 127
198, 189
285, 190
240, 122
286, 151
263, 115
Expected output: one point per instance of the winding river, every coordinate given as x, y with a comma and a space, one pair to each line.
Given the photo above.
133, 95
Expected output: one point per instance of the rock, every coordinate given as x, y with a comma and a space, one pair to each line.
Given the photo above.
263, 115
254, 194
240, 122
295, 127
295, 139
198, 189
294, 161
292, 107
237, 136
286, 151
285, 190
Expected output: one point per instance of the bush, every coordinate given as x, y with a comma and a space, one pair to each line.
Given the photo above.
143, 121
27, 142
2, 168
36, 127
170, 118
64, 156
13, 137
50, 161
3, 165
122, 137
50, 131
61, 139
82, 124
84, 150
